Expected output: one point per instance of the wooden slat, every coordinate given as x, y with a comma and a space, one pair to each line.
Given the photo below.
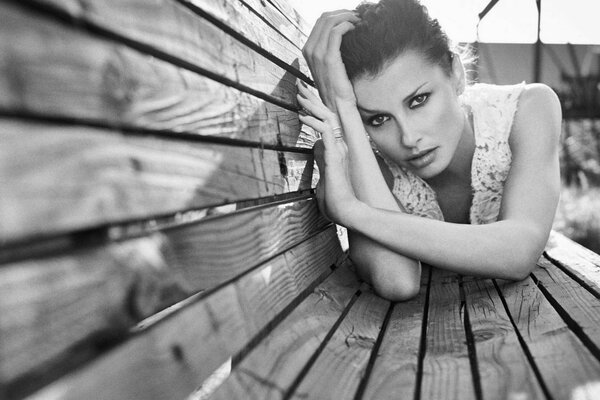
289, 14
51, 70
446, 367
564, 363
170, 358
256, 25
580, 262
174, 30
295, 30
394, 374
503, 367
58, 177
77, 300
272, 367
574, 301
337, 371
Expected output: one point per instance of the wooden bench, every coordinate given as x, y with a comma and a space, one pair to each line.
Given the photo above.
159, 236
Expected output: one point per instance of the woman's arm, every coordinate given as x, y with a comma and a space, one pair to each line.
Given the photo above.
508, 248
393, 275
376, 263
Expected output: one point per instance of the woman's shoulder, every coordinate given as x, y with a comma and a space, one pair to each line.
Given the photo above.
521, 93
539, 98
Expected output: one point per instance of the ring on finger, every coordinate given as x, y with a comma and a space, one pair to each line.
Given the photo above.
337, 133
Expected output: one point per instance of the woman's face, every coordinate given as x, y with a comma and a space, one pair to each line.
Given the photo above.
411, 112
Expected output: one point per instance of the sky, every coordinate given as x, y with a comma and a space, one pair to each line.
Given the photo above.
510, 21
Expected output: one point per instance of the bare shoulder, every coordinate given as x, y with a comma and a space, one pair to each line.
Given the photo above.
538, 102
538, 116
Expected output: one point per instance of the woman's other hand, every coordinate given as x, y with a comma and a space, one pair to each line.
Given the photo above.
322, 53
334, 190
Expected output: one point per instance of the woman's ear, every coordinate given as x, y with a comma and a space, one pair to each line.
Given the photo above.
458, 74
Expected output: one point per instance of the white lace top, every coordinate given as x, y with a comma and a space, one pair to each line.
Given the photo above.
493, 108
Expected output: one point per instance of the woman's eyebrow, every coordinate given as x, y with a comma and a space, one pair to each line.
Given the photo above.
414, 92
411, 95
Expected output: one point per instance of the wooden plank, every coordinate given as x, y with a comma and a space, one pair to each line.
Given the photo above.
273, 366
566, 366
503, 367
171, 357
337, 371
295, 31
575, 259
394, 373
284, 41
289, 14
575, 303
58, 177
51, 70
93, 295
172, 31
446, 367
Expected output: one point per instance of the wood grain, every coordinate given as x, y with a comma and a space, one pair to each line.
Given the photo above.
339, 368
575, 301
394, 374
262, 26
171, 357
503, 367
566, 366
91, 296
176, 32
59, 177
271, 368
446, 367
580, 262
50, 70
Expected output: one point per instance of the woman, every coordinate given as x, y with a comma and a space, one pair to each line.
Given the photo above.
405, 138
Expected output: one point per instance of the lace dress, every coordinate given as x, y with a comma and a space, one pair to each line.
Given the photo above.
493, 108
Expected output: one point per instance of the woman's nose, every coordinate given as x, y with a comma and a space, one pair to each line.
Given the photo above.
410, 137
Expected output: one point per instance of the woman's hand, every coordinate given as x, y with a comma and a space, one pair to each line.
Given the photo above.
322, 53
334, 190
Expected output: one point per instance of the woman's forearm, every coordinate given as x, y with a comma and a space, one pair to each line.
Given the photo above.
503, 249
367, 180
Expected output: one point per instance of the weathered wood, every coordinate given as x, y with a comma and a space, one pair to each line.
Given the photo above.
58, 177
566, 366
575, 259
172, 355
75, 301
273, 366
446, 367
574, 301
289, 14
394, 373
337, 371
503, 367
282, 41
171, 30
53, 71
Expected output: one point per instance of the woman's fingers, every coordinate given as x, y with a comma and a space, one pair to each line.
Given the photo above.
317, 42
316, 107
335, 39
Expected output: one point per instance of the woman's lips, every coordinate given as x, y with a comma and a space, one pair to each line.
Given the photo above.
423, 159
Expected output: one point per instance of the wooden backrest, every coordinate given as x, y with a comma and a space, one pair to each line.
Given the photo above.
157, 214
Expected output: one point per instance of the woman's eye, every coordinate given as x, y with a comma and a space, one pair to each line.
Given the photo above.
378, 120
418, 100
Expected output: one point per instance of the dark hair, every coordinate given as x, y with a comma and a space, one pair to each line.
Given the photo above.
390, 28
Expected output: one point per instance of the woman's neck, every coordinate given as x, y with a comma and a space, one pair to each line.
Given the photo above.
459, 169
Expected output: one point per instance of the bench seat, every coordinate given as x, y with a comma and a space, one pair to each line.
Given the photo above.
160, 238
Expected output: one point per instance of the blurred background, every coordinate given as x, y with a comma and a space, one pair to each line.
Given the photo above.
555, 42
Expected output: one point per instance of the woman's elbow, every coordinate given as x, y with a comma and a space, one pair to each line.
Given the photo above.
393, 277
519, 266
395, 290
